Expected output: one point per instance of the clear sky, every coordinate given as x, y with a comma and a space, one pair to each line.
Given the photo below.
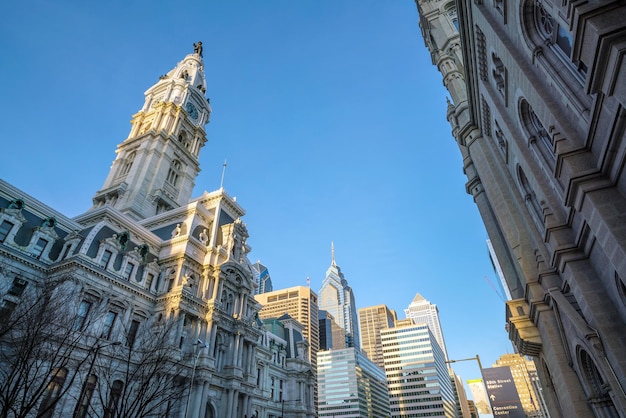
330, 115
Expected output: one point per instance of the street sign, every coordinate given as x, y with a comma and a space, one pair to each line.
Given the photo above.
502, 393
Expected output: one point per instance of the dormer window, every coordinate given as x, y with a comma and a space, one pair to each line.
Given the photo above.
39, 247
106, 257
5, 228
128, 271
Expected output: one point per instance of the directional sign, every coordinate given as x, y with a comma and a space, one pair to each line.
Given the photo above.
503, 393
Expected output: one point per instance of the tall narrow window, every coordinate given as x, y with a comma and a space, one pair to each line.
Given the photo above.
132, 333
66, 251
85, 397
149, 279
39, 247
539, 138
128, 272
106, 257
452, 14
81, 315
5, 228
109, 321
128, 163
174, 173
52, 393
114, 399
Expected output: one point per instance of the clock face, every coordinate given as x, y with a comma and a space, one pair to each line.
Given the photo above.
191, 110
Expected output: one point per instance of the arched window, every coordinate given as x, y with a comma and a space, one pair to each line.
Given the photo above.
539, 139
597, 390
128, 163
170, 277
174, 173
114, 399
85, 397
183, 138
452, 15
553, 31
52, 393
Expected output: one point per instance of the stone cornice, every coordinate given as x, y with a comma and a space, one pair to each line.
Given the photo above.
39, 208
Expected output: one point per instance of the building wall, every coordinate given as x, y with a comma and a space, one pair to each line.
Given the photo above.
300, 303
420, 310
350, 385
417, 373
159, 289
526, 381
372, 320
537, 106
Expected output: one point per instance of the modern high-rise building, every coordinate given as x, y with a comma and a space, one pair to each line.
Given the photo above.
472, 409
537, 96
372, 320
350, 385
262, 277
420, 310
527, 383
143, 305
460, 396
331, 334
337, 298
417, 373
299, 302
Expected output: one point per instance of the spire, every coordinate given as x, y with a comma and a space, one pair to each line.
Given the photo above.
223, 171
332, 250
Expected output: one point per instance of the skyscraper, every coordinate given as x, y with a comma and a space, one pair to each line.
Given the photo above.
537, 97
422, 311
301, 304
417, 373
371, 321
527, 383
331, 334
337, 298
262, 277
350, 385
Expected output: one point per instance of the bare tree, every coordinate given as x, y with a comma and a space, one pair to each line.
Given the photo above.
148, 376
41, 342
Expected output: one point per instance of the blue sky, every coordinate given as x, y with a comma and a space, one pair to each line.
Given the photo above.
329, 113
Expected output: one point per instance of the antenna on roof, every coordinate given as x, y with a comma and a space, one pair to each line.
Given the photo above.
223, 171
308, 281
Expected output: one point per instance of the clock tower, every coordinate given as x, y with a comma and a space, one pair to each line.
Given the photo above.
156, 166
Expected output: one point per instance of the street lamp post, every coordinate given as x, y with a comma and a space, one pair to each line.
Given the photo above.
95, 351
193, 372
480, 366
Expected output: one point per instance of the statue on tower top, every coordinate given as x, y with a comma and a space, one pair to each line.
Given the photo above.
197, 48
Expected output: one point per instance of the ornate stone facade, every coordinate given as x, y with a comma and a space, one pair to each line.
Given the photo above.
538, 90
157, 291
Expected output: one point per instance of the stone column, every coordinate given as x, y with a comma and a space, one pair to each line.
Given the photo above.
229, 404
203, 399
